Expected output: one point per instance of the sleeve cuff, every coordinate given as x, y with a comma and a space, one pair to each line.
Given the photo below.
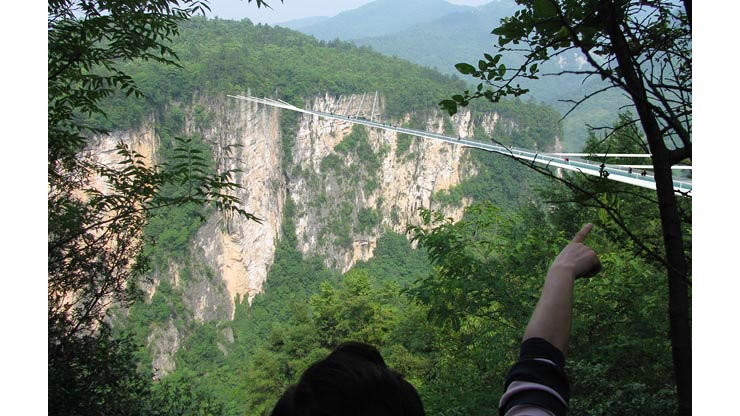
540, 348
537, 379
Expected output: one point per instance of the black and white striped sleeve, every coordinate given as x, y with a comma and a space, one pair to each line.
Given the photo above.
536, 384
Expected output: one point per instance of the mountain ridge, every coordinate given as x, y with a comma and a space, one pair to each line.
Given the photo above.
297, 24
465, 36
380, 17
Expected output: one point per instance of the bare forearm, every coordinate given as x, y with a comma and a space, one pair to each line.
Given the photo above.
542, 353
552, 316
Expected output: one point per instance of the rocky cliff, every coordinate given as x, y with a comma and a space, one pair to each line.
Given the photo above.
351, 183
346, 184
343, 198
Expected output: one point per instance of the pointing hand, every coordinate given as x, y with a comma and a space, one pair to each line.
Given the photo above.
577, 257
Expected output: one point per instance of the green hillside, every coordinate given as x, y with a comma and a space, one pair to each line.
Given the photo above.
220, 57
225, 57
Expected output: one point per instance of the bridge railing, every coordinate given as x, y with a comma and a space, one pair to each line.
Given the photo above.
558, 160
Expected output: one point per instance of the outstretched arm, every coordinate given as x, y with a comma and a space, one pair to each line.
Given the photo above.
536, 384
552, 315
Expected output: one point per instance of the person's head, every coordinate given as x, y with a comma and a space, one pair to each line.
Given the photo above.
352, 380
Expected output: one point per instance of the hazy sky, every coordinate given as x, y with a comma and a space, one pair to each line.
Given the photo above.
294, 9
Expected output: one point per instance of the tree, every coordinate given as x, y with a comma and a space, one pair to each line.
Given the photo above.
488, 267
94, 238
644, 49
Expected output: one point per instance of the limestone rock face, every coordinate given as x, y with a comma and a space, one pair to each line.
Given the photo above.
343, 199
245, 139
163, 342
403, 180
246, 136
102, 150
142, 140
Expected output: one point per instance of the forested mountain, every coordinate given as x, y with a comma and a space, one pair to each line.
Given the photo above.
226, 57
312, 156
380, 17
462, 35
442, 42
232, 311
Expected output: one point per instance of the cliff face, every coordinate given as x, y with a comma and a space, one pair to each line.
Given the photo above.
340, 208
142, 140
346, 196
244, 138
346, 184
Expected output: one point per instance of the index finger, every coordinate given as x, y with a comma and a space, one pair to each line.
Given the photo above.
581, 235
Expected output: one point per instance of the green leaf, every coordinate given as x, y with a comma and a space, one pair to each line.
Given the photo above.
543, 9
449, 105
465, 68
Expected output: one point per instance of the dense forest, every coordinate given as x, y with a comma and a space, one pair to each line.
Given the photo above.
445, 303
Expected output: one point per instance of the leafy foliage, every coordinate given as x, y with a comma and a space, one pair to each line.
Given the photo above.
457, 324
655, 54
488, 268
180, 395
613, 206
93, 374
94, 237
644, 50
395, 261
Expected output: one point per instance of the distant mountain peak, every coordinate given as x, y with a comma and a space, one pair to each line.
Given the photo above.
380, 17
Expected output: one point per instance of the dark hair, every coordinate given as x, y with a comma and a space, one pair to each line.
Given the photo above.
352, 380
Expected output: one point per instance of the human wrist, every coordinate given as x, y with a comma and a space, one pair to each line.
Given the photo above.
560, 271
